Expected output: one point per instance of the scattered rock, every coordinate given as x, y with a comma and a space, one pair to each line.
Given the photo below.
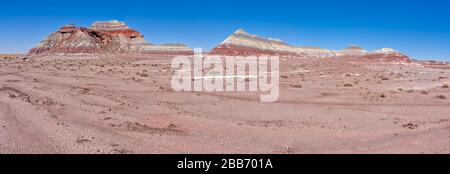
348, 85
15, 93
122, 151
83, 140
442, 97
138, 127
410, 126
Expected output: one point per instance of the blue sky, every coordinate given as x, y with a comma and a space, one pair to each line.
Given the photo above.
418, 28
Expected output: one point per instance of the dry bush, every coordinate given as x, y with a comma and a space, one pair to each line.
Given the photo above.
296, 86
348, 85
442, 97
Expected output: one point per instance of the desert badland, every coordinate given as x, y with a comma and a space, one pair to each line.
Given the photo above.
105, 89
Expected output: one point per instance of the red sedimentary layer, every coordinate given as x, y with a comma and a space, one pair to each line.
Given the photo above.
126, 32
68, 29
387, 57
436, 64
234, 50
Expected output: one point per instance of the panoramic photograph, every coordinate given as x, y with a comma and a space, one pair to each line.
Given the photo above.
225, 77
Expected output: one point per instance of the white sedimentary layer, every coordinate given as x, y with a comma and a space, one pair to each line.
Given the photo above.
386, 51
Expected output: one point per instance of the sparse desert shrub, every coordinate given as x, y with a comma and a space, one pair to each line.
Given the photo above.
424, 92
410, 126
383, 95
442, 97
143, 74
348, 85
446, 85
385, 78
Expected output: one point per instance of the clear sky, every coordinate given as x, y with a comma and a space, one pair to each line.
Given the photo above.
419, 28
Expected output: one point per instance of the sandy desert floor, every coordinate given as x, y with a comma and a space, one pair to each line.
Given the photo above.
126, 105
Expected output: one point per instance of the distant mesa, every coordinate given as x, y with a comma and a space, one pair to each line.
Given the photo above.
242, 43
354, 48
313, 48
386, 51
386, 55
435, 64
115, 37
103, 37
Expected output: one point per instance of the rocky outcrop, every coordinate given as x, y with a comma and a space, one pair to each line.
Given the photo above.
241, 43
317, 52
386, 55
115, 37
435, 64
103, 37
72, 39
352, 51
